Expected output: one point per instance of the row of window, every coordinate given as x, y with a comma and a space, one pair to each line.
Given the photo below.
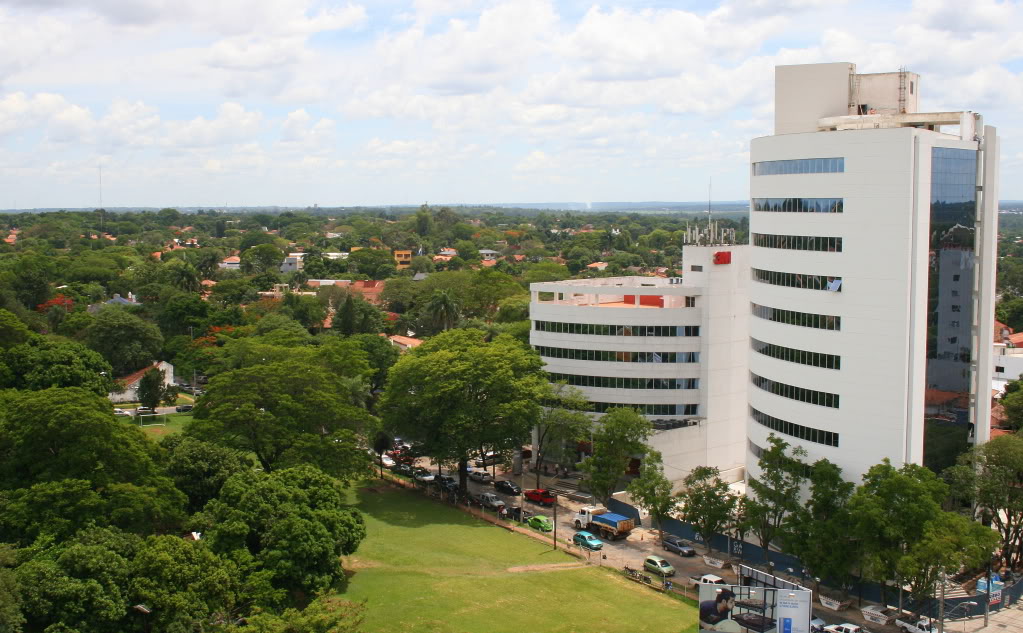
798, 280
803, 357
621, 382
799, 166
807, 433
804, 469
648, 409
621, 357
598, 329
799, 205
799, 242
809, 396
802, 319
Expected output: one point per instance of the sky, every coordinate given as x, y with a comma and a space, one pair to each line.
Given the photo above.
299, 102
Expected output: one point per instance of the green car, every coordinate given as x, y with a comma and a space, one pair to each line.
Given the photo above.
541, 523
659, 566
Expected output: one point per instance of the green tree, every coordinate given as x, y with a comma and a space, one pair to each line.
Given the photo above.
326, 614
653, 490
127, 342
381, 354
987, 477
32, 277
948, 542
295, 523
512, 309
12, 330
151, 390
892, 507
457, 393
284, 412
261, 259
818, 532
11, 618
776, 491
183, 583
372, 262
706, 503
42, 363
181, 313
442, 310
561, 423
199, 469
486, 288
81, 584
183, 276
621, 435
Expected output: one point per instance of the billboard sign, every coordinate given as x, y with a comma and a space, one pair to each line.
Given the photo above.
742, 609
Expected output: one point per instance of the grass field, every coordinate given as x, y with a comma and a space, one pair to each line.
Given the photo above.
425, 567
175, 423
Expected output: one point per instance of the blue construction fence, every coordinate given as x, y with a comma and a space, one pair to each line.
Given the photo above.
753, 555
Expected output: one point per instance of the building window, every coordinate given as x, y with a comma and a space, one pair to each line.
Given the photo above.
597, 329
955, 293
999, 369
798, 205
814, 359
622, 382
802, 319
797, 280
696, 269
955, 277
619, 357
955, 308
644, 409
798, 242
953, 323
784, 427
799, 166
809, 396
690, 302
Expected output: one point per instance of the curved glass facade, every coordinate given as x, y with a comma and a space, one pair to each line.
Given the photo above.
792, 317
597, 329
797, 280
798, 205
813, 359
809, 396
799, 166
798, 242
807, 433
621, 382
619, 357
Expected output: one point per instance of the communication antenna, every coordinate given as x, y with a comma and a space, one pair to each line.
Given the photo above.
102, 212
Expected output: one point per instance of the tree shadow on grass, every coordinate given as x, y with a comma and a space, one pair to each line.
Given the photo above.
409, 508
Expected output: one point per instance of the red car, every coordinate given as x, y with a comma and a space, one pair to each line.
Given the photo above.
541, 496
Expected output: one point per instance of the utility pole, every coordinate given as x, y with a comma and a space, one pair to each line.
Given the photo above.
555, 539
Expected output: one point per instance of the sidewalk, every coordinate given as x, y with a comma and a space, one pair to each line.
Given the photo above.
1009, 619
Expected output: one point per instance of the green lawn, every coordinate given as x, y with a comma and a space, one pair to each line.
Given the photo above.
175, 422
430, 568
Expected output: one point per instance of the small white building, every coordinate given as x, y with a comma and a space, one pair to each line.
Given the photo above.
131, 382
674, 349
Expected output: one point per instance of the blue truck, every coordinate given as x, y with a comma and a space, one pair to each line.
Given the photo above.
609, 525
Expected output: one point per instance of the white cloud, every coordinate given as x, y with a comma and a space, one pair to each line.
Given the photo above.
233, 124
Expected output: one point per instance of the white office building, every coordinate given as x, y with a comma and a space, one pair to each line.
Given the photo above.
872, 255
674, 349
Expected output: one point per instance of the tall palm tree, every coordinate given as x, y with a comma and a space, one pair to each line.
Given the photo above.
443, 310
183, 276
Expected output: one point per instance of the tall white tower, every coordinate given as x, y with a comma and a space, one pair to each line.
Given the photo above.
872, 258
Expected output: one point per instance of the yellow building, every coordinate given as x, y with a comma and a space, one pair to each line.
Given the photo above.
402, 259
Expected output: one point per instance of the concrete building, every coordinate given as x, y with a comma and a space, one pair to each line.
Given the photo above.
675, 349
872, 232
402, 259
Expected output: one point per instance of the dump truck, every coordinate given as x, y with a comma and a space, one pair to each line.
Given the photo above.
609, 525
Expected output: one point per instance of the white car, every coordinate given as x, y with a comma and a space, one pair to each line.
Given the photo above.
481, 476
845, 628
122, 412
387, 461
423, 475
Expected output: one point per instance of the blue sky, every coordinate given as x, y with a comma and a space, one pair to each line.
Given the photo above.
300, 102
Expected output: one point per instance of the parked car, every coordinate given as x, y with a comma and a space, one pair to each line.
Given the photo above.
403, 469
489, 458
587, 541
489, 500
481, 476
421, 474
144, 411
121, 412
817, 625
672, 543
845, 628
182, 408
659, 566
509, 487
540, 522
541, 496
519, 513
706, 579
386, 460
445, 482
